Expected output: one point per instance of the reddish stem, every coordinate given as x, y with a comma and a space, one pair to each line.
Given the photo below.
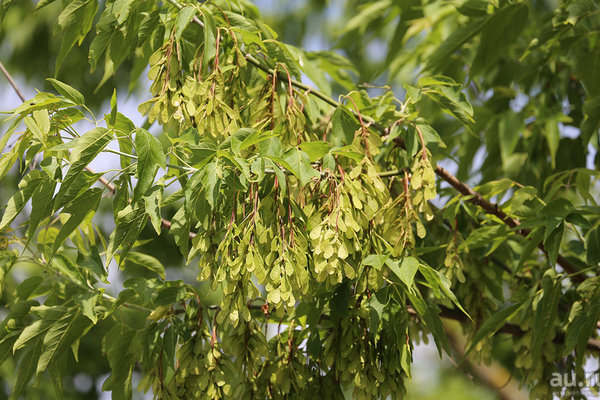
424, 148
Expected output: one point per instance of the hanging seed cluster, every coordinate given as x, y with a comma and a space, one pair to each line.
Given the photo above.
276, 223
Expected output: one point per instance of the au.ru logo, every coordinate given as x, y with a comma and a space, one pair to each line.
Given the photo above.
568, 381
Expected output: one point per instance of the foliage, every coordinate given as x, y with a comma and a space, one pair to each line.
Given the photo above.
326, 247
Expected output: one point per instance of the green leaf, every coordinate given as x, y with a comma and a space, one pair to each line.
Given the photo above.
502, 29
411, 11
145, 288
37, 329
248, 138
184, 17
130, 222
4, 6
6, 345
376, 261
211, 180
487, 235
67, 91
149, 24
61, 335
343, 127
582, 327
170, 295
368, 14
509, 128
28, 286
593, 247
75, 21
180, 229
9, 132
339, 302
70, 13
545, 313
315, 150
589, 125
587, 64
430, 136
146, 261
334, 64
376, 310
87, 303
41, 206
42, 120
552, 243
117, 53
447, 93
86, 149
31, 124
494, 323
347, 152
406, 270
271, 147
458, 37
237, 138
79, 209
152, 203
90, 145
170, 345
25, 370
67, 116
122, 124
56, 373
40, 101
473, 8
93, 262
281, 178
558, 208
28, 185
210, 43
240, 21
287, 55
150, 157
316, 74
299, 164
73, 186
553, 137
313, 344
18, 310
429, 313
535, 237
52, 167
119, 345
7, 160
101, 40
439, 281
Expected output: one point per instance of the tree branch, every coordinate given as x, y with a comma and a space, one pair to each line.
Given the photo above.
493, 209
511, 329
494, 375
12, 82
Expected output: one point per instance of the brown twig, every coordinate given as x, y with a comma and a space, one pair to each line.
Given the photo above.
493, 209
12, 82
494, 376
